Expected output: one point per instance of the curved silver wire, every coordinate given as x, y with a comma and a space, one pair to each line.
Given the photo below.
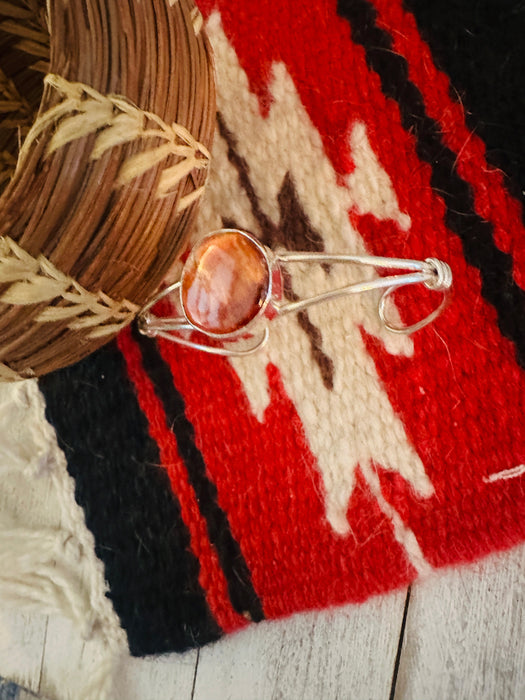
148, 323
433, 273
258, 343
441, 281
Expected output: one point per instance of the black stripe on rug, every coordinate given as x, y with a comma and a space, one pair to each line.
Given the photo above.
480, 47
476, 234
240, 587
129, 505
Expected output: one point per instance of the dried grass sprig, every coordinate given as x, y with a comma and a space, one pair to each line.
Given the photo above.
32, 280
116, 121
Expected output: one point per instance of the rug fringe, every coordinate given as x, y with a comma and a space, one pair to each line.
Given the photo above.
52, 570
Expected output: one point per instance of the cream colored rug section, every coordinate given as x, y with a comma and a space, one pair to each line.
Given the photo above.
47, 556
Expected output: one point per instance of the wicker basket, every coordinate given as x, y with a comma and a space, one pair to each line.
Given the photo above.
114, 110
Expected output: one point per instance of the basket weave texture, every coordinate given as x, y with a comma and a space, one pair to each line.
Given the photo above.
108, 172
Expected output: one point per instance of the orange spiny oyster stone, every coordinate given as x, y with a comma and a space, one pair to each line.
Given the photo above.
225, 282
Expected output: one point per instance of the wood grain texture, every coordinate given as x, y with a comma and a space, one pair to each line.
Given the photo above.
64, 643
463, 640
168, 676
69, 662
22, 643
348, 653
465, 633
329, 654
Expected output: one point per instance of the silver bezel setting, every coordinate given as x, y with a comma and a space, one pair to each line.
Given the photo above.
270, 260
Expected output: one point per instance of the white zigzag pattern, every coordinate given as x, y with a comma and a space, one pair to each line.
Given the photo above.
354, 424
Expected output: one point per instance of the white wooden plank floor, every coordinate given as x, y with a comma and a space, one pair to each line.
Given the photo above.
464, 638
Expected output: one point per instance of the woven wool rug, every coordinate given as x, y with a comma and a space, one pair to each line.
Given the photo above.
341, 461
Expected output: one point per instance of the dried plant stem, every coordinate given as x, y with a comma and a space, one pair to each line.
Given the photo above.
115, 121
36, 280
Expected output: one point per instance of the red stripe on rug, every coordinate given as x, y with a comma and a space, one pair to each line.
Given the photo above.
492, 200
211, 576
271, 491
470, 436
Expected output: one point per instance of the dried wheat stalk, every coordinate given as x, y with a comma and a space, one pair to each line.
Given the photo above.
114, 120
35, 280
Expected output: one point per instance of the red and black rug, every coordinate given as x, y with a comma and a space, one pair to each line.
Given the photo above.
341, 461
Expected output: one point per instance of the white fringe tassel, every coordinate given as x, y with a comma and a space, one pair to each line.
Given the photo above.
50, 568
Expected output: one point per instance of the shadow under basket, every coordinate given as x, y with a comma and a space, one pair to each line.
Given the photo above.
106, 120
